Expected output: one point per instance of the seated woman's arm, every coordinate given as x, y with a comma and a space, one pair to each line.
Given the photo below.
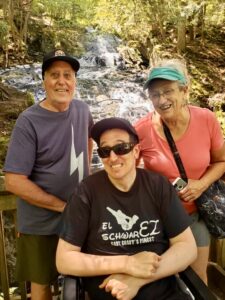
70, 261
181, 253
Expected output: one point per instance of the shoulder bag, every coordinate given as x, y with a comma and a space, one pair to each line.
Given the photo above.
211, 203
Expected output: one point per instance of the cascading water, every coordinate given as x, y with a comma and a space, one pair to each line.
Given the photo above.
103, 75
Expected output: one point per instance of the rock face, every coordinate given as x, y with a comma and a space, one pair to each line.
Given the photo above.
12, 103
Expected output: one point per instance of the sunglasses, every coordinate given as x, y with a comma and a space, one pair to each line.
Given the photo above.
119, 149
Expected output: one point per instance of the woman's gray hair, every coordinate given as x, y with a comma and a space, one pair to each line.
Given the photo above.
177, 64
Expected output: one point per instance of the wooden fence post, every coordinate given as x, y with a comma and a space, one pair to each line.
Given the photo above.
3, 262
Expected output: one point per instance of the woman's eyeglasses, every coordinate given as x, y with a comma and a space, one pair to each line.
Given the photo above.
155, 96
119, 149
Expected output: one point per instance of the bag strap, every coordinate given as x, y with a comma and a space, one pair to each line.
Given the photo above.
175, 152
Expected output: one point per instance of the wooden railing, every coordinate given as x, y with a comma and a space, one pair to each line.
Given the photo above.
7, 202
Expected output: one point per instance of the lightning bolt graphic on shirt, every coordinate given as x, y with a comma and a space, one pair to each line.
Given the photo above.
76, 162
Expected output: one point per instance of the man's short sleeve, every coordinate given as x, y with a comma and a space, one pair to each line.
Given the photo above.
21, 152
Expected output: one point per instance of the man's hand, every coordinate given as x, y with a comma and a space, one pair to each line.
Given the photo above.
121, 286
142, 264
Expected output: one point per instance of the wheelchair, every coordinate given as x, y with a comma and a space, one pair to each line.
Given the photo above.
188, 281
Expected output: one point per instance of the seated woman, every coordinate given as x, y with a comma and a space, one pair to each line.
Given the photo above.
125, 231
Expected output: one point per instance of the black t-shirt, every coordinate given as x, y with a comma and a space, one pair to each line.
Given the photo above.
105, 221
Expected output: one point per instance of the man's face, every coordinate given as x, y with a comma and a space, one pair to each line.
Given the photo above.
59, 83
119, 167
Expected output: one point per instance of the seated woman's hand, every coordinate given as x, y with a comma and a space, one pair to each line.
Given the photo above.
143, 264
121, 286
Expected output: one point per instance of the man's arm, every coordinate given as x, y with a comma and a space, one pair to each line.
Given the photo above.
181, 253
70, 261
23, 187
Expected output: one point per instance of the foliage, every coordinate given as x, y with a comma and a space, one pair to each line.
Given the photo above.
4, 140
67, 13
109, 18
221, 118
149, 29
143, 24
4, 31
217, 103
56, 9
215, 12
142, 20
87, 11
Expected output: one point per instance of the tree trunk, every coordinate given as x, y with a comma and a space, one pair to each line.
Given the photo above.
202, 21
191, 32
181, 34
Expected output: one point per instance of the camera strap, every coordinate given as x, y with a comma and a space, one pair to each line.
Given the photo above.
175, 152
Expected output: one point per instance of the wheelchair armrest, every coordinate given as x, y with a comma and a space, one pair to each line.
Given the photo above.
197, 287
72, 288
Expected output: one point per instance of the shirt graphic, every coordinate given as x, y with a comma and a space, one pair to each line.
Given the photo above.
131, 230
123, 220
76, 162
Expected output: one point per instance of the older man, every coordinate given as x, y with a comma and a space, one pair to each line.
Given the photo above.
125, 231
47, 157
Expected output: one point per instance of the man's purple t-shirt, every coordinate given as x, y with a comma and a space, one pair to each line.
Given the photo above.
51, 148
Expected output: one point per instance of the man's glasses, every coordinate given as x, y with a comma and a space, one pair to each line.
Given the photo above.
155, 96
119, 149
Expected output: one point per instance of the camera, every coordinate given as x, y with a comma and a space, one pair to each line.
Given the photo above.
179, 184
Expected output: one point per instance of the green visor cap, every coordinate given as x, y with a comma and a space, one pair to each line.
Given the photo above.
165, 73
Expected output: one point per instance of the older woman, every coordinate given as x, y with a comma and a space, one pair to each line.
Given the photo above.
198, 139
